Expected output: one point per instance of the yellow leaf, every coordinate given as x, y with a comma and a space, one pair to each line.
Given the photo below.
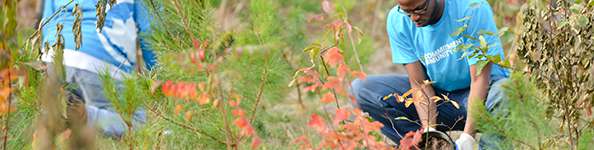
427, 82
386, 97
401, 118
408, 102
436, 98
446, 97
455, 104
407, 93
400, 98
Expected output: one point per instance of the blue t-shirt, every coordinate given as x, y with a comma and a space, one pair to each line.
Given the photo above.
436, 47
125, 22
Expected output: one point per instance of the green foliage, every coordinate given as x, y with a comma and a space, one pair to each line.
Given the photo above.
522, 122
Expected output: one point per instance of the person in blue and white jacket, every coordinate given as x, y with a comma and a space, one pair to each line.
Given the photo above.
113, 50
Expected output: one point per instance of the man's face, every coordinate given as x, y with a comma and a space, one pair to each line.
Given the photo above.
419, 11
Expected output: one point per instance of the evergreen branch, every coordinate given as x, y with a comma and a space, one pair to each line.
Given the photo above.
184, 19
194, 130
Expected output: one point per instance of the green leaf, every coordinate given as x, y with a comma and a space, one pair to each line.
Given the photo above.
313, 50
576, 8
582, 21
485, 32
459, 30
483, 42
464, 47
562, 24
464, 19
480, 65
469, 37
494, 58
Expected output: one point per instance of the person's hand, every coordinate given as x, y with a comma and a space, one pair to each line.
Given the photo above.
465, 142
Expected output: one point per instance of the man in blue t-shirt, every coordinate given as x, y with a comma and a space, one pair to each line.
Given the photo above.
426, 36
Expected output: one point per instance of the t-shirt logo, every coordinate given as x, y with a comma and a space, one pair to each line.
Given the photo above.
440, 53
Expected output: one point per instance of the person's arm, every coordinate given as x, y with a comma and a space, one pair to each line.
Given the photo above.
479, 87
425, 107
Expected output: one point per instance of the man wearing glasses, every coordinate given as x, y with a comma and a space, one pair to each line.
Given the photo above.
422, 37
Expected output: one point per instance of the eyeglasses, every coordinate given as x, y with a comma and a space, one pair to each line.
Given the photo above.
420, 10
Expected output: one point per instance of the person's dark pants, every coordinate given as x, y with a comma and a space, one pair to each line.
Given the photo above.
371, 91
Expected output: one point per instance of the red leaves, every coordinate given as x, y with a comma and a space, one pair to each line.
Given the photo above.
316, 122
341, 115
359, 74
341, 134
256, 142
328, 98
411, 140
333, 57
332, 83
199, 50
180, 90
243, 123
186, 91
203, 99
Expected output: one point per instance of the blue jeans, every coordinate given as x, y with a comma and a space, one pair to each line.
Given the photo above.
100, 112
370, 92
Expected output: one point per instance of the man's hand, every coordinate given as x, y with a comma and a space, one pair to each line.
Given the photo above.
465, 142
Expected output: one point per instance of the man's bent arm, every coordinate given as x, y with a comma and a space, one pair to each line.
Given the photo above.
479, 87
425, 107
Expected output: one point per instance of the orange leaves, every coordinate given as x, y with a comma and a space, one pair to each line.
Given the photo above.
333, 57
328, 98
4, 93
180, 90
342, 134
332, 82
238, 112
243, 123
6, 76
359, 74
341, 115
188, 116
411, 140
186, 91
316, 122
256, 142
178, 109
203, 99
